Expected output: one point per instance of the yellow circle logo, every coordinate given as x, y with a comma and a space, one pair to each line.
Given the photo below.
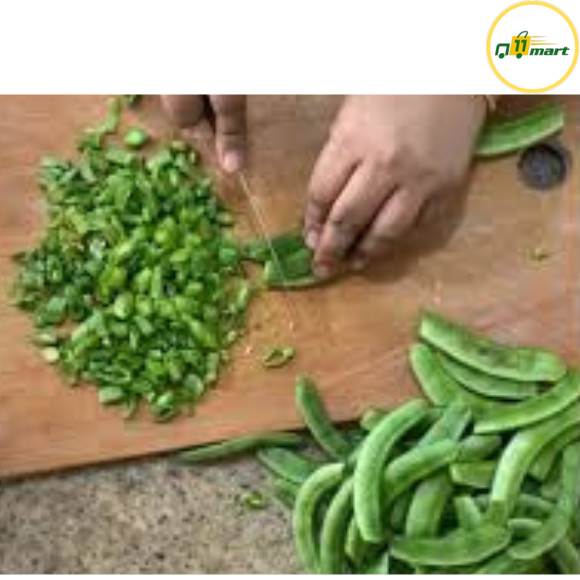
532, 46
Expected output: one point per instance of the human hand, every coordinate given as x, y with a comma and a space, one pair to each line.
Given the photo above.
386, 156
227, 115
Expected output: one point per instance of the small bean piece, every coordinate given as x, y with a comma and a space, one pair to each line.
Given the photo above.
334, 531
524, 413
461, 548
547, 457
317, 420
288, 465
238, 446
478, 474
478, 447
438, 387
427, 506
473, 350
467, 512
487, 385
306, 511
135, 138
278, 356
521, 451
415, 465
368, 474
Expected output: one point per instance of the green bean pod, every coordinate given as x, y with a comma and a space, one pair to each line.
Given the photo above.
238, 446
334, 531
504, 136
418, 463
467, 512
547, 457
521, 451
478, 474
487, 385
427, 506
473, 350
524, 413
287, 465
478, 447
451, 425
306, 511
381, 565
371, 418
566, 556
462, 548
317, 420
368, 474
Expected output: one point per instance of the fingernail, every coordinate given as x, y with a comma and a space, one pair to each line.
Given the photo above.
232, 161
358, 264
312, 239
322, 271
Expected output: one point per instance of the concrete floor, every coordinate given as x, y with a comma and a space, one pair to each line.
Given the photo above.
146, 516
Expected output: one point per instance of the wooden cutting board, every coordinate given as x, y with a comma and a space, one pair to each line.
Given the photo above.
470, 262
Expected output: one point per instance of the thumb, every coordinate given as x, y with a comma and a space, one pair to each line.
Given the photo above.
230, 130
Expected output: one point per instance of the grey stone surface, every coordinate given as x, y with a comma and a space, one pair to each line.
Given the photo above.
146, 516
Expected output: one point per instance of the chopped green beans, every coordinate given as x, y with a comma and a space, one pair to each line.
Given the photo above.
277, 356
521, 364
137, 283
238, 446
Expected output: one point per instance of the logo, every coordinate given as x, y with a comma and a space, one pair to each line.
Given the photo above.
538, 58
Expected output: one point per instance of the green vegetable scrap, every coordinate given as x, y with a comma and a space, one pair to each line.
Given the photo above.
278, 356
137, 285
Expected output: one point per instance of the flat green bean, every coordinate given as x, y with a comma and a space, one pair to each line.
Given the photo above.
427, 506
238, 446
462, 548
478, 447
478, 474
503, 136
467, 512
487, 385
287, 465
547, 457
451, 425
473, 350
558, 523
413, 466
437, 386
521, 451
368, 473
524, 413
316, 418
306, 512
334, 531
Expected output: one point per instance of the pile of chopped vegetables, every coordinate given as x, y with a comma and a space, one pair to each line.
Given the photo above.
137, 285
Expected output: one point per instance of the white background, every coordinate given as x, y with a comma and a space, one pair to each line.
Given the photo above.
255, 46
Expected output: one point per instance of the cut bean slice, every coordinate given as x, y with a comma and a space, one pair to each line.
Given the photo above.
373, 456
461, 548
288, 465
473, 350
307, 510
238, 446
317, 420
518, 415
546, 459
334, 531
487, 385
478, 474
415, 465
427, 506
438, 387
521, 451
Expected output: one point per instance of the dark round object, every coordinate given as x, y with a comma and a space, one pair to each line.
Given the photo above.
544, 166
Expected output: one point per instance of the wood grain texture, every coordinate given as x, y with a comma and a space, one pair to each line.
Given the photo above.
470, 261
